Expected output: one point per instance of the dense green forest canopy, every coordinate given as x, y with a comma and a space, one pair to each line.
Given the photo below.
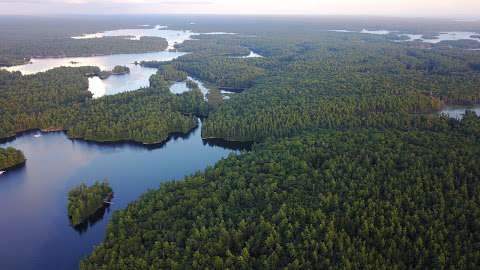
84, 201
355, 170
326, 200
10, 157
329, 80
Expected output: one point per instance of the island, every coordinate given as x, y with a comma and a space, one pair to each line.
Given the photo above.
430, 36
117, 70
120, 70
84, 201
10, 158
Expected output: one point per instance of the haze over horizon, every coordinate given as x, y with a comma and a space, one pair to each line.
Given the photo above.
466, 9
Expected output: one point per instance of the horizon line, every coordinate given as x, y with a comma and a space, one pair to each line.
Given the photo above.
473, 18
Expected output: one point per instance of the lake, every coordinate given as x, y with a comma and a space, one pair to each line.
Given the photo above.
439, 37
181, 87
138, 76
457, 112
34, 220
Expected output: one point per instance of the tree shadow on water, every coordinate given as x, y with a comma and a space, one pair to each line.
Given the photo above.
90, 221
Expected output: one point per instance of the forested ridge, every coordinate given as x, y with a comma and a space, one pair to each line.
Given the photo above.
10, 157
327, 200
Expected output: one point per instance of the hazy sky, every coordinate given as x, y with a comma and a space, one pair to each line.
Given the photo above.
411, 8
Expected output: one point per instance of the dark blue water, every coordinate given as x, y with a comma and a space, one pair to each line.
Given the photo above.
34, 227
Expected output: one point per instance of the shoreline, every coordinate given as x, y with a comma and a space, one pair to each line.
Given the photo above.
158, 143
29, 59
16, 166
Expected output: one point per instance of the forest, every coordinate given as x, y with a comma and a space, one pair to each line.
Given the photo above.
352, 168
84, 201
12, 53
58, 100
358, 199
329, 80
10, 157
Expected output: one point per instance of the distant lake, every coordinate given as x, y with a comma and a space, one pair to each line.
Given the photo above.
34, 227
457, 112
438, 37
138, 77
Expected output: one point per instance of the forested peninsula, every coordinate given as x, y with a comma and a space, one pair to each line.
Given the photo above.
58, 100
11, 53
10, 158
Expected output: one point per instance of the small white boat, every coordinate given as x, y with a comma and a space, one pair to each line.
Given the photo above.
37, 135
2, 172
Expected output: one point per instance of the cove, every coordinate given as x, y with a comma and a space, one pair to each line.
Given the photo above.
34, 226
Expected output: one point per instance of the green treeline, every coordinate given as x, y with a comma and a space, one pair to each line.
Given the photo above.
84, 201
58, 100
13, 53
222, 71
10, 157
327, 200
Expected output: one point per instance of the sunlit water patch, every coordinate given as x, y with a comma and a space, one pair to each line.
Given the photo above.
252, 54
181, 87
446, 36
458, 112
173, 37
138, 76
438, 37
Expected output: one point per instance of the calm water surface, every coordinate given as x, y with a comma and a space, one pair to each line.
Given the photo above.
458, 112
138, 76
442, 36
181, 87
34, 226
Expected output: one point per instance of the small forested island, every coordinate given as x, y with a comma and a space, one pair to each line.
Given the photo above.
84, 201
117, 70
10, 157
120, 70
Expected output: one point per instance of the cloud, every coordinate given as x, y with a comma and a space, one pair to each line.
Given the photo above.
411, 8
126, 2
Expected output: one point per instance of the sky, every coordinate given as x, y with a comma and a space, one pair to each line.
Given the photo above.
403, 8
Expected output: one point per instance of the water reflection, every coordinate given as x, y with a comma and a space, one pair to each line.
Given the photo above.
96, 217
34, 220
239, 146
